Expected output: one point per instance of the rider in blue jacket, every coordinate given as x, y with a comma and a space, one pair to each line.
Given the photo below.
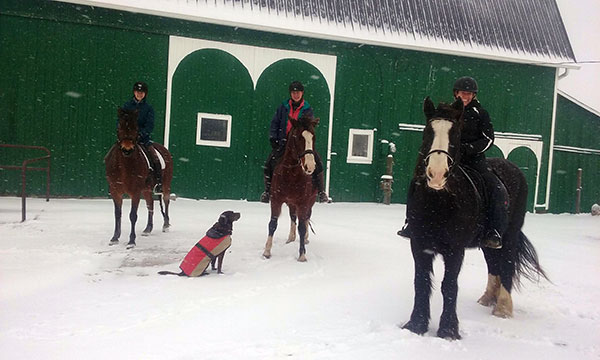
145, 126
294, 107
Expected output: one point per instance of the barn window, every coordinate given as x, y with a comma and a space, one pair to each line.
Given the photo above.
360, 146
213, 130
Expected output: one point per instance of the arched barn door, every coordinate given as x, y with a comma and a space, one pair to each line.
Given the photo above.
211, 114
525, 159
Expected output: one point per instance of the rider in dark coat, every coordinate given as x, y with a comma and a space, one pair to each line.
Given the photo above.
145, 126
476, 137
294, 107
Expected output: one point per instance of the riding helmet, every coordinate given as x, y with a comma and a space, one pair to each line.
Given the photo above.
140, 86
466, 83
296, 86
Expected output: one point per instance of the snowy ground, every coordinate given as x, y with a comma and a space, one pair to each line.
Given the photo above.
65, 294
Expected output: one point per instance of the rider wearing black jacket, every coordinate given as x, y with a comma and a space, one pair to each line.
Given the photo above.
476, 137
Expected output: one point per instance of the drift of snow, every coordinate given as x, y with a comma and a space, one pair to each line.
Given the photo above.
66, 294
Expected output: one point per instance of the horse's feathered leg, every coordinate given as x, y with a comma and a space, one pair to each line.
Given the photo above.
449, 320
150, 207
118, 203
135, 202
419, 319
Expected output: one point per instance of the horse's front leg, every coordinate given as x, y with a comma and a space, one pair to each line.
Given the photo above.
165, 211
150, 207
275, 212
293, 224
302, 229
135, 202
423, 259
118, 203
449, 321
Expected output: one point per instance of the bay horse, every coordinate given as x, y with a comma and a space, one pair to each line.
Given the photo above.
292, 183
446, 215
128, 172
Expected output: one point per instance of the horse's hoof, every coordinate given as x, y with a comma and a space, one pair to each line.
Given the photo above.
290, 240
146, 233
302, 258
267, 255
306, 242
166, 228
130, 246
417, 328
113, 242
449, 334
486, 300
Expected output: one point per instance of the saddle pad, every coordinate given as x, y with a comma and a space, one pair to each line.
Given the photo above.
198, 258
160, 158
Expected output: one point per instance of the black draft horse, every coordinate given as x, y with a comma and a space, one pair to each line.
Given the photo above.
446, 215
127, 172
292, 183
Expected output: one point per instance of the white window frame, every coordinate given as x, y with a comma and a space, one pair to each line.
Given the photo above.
360, 159
225, 117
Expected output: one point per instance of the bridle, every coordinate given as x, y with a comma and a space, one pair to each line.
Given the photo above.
439, 151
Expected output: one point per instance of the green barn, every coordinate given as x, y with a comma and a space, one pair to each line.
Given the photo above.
366, 66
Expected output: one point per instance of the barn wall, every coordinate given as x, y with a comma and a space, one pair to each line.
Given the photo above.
69, 67
578, 129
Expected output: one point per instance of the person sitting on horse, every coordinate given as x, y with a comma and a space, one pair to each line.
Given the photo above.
295, 107
145, 126
477, 136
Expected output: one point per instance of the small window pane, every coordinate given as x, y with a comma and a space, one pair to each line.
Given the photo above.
213, 129
360, 145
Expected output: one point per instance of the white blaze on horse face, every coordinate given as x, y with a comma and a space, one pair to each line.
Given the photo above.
438, 166
309, 159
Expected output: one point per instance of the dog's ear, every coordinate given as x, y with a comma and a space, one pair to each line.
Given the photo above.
223, 219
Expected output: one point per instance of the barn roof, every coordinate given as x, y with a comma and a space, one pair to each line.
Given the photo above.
523, 31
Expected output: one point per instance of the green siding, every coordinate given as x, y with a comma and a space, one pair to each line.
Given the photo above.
577, 128
67, 69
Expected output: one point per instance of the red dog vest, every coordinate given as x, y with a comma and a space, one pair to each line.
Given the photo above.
197, 259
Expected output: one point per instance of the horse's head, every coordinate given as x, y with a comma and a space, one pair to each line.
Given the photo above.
127, 130
441, 140
301, 140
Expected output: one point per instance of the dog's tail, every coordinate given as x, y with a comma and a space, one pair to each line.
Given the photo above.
171, 273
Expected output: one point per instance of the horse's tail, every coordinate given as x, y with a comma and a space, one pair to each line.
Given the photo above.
164, 272
526, 262
161, 201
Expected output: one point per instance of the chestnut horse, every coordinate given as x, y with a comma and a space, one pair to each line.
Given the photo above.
128, 172
292, 183
446, 215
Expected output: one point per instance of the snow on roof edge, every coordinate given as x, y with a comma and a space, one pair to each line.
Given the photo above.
287, 26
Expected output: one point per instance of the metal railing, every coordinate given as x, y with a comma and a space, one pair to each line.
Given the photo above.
24, 168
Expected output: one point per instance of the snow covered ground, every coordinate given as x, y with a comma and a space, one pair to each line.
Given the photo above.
65, 294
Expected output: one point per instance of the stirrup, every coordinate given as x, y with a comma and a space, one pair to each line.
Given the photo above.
405, 232
492, 240
323, 198
265, 197
157, 189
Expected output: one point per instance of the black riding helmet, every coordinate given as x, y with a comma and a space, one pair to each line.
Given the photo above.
140, 86
296, 86
466, 83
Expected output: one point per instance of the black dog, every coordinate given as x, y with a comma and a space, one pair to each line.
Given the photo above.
210, 248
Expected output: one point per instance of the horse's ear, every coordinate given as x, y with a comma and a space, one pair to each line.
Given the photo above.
458, 106
428, 108
293, 121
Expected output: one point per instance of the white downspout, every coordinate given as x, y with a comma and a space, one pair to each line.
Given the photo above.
557, 77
